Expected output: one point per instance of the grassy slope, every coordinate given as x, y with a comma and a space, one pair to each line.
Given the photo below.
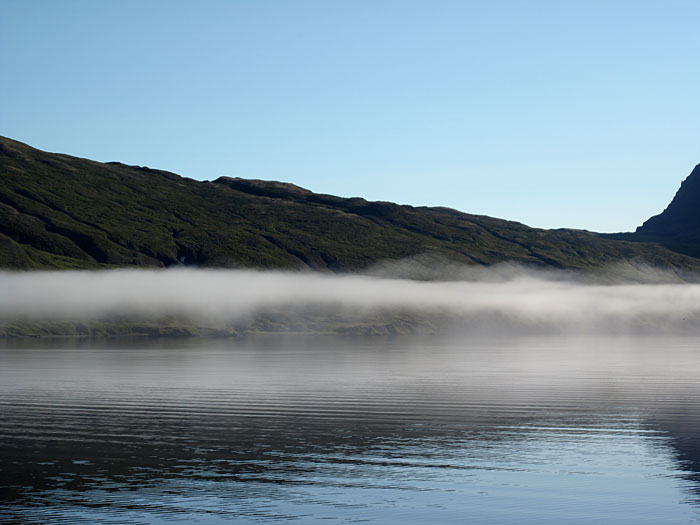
58, 211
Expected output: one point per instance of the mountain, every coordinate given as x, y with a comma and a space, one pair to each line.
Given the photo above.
678, 227
58, 211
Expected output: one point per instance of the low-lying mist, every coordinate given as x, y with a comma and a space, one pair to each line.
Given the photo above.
498, 300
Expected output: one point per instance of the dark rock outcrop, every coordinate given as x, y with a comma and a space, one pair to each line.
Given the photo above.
678, 227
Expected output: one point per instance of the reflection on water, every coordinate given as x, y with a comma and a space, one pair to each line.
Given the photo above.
517, 430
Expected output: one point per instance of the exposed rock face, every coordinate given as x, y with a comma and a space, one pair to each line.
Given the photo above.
678, 227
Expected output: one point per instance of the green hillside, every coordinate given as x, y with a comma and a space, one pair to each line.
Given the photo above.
58, 211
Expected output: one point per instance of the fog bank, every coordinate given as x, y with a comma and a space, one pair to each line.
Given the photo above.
501, 300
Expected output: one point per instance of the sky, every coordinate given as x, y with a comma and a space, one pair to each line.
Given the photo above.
552, 113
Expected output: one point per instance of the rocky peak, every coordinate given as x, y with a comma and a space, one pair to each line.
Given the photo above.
682, 214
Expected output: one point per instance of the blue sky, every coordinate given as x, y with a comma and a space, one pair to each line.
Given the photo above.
556, 114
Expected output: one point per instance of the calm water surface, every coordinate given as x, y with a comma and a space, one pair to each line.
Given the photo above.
537, 430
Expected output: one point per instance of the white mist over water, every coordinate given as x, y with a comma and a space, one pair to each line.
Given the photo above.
502, 298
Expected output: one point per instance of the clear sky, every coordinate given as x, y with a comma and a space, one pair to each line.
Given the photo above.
581, 114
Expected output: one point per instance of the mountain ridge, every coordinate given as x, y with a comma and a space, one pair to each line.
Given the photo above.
678, 226
59, 211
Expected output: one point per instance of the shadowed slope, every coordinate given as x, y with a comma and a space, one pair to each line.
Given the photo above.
678, 227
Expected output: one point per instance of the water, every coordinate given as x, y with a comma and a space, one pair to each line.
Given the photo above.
537, 430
